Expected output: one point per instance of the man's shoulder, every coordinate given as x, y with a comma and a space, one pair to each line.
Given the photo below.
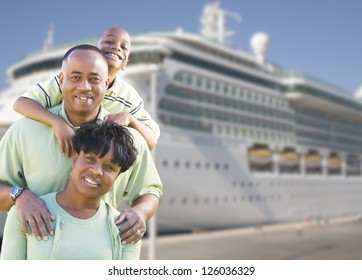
25, 125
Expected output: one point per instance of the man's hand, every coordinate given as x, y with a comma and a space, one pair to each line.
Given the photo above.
34, 214
132, 225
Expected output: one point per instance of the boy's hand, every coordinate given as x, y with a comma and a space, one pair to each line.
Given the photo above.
122, 118
64, 134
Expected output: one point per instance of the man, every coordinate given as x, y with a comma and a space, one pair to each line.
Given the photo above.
31, 164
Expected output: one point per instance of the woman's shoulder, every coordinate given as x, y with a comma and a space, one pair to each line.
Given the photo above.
49, 198
114, 212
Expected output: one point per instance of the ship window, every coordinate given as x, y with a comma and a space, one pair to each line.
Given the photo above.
177, 163
217, 87
225, 89
189, 79
208, 85
165, 163
187, 164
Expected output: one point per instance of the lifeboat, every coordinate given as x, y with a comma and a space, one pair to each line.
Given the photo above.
313, 160
334, 162
289, 158
260, 155
353, 165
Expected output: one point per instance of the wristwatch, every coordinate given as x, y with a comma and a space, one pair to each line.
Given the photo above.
15, 192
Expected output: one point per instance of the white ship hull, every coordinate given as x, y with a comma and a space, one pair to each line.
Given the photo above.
208, 186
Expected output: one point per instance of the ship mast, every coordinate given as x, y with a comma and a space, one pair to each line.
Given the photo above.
48, 43
213, 22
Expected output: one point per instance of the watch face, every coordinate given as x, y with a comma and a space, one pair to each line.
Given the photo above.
15, 192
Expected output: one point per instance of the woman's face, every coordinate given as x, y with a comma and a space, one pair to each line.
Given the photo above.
94, 176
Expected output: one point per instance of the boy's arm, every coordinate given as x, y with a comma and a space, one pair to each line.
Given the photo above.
145, 131
126, 119
33, 110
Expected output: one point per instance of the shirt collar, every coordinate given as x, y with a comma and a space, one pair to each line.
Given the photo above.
60, 111
116, 86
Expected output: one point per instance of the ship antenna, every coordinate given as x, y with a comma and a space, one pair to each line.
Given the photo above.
213, 22
48, 43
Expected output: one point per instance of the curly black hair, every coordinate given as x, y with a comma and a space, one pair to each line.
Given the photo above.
98, 138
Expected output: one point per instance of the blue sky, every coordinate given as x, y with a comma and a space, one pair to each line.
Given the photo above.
322, 38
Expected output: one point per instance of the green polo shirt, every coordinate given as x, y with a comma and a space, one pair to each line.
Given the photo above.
30, 156
120, 97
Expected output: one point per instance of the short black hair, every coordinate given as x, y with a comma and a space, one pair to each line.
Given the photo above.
99, 137
86, 47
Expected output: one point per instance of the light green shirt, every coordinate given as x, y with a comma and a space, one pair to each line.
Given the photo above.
30, 156
120, 97
96, 238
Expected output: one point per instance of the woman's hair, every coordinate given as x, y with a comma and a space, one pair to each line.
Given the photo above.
98, 138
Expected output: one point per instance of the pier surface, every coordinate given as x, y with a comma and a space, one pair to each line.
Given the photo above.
338, 239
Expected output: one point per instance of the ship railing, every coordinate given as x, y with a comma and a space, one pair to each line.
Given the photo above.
288, 74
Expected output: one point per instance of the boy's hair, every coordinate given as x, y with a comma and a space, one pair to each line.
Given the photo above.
98, 138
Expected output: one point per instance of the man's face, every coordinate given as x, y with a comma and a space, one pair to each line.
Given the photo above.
115, 43
83, 81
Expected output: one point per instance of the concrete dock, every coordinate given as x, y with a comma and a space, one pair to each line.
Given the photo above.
338, 239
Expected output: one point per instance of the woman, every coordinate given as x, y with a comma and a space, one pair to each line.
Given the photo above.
84, 223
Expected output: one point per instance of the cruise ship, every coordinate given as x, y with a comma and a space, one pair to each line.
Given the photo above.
243, 141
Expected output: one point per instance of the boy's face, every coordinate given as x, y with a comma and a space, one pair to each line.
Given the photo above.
115, 43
